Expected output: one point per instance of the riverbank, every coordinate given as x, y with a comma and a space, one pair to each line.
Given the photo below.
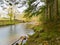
48, 35
8, 22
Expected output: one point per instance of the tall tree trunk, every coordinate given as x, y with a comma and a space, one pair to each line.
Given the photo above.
49, 12
51, 9
46, 10
56, 9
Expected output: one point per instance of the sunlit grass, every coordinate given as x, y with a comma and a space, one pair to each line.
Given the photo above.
7, 22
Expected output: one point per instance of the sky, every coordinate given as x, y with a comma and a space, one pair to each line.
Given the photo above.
1, 0
4, 12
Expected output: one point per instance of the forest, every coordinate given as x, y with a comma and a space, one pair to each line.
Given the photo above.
47, 32
45, 18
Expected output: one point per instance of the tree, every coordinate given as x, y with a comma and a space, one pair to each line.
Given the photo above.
10, 13
33, 8
13, 4
51, 27
51, 9
56, 8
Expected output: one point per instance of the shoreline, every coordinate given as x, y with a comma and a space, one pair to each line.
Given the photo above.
8, 22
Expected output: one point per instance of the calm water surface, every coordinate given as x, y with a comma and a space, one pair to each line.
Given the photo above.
10, 34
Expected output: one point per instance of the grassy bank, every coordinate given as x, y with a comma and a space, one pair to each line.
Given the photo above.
48, 35
8, 22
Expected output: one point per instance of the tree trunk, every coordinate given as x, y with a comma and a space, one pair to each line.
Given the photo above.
46, 10
51, 9
56, 9
49, 12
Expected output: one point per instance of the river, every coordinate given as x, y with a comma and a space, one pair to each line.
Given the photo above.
10, 34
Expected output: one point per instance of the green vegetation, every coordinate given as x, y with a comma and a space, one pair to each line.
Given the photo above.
47, 30
50, 35
8, 22
47, 33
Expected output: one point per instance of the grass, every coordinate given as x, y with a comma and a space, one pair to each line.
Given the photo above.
48, 34
7, 22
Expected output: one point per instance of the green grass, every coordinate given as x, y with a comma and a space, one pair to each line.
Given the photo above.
8, 22
48, 34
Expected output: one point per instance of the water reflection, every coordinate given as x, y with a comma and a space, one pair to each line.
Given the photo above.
10, 34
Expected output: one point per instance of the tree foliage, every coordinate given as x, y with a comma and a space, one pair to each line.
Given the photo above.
33, 8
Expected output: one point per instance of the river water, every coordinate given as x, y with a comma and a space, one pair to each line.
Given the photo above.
10, 34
